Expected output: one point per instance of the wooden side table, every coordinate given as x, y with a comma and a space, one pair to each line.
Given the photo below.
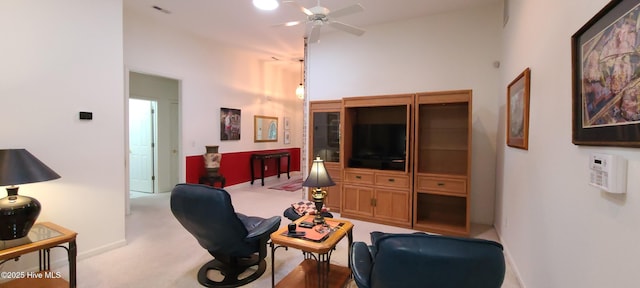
211, 180
313, 269
42, 237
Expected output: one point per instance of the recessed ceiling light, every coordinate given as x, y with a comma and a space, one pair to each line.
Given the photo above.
266, 4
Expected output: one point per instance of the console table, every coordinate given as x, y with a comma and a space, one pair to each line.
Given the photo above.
269, 155
42, 237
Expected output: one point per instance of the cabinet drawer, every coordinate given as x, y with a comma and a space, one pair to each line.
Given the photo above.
399, 181
335, 173
456, 186
358, 177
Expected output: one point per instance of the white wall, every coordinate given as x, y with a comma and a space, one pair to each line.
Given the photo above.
442, 52
214, 76
59, 58
560, 231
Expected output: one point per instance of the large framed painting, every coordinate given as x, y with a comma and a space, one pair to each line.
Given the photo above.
265, 129
606, 77
518, 111
229, 124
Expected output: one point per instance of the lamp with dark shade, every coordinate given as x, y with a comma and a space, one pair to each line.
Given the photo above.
318, 178
18, 213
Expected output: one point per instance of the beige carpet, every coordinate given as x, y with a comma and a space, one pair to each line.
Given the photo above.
160, 253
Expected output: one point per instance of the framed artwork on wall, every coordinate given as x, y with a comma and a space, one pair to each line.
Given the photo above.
287, 133
265, 129
229, 124
286, 123
605, 62
287, 137
518, 111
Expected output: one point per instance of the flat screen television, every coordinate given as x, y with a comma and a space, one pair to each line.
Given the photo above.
379, 146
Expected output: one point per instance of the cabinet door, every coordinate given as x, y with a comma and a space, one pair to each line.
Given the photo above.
333, 197
324, 142
392, 205
357, 200
326, 136
334, 193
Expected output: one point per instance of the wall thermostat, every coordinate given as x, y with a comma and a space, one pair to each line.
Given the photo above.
608, 172
86, 115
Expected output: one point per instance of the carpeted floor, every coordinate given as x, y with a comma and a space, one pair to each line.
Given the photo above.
162, 254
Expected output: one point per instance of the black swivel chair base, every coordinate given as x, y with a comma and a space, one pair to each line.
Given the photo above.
231, 272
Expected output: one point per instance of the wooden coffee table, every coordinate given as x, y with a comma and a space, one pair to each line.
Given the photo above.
316, 266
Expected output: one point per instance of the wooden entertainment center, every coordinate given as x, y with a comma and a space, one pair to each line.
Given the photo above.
403, 160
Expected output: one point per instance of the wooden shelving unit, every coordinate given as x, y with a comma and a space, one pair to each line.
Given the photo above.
442, 160
324, 141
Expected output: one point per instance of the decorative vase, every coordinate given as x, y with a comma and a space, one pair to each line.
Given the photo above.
212, 161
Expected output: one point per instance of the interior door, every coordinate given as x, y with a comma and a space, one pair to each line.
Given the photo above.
174, 170
141, 135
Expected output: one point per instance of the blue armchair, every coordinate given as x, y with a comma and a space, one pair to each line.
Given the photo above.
236, 241
423, 260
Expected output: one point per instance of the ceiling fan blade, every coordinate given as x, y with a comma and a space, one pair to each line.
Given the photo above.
346, 11
295, 3
314, 35
347, 28
288, 24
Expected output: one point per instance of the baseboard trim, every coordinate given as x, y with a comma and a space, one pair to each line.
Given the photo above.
513, 264
102, 249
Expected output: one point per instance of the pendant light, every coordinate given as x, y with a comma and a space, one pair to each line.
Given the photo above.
300, 89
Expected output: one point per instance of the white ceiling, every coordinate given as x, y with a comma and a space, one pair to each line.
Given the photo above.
238, 23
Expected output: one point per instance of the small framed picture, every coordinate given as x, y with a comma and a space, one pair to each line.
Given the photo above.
286, 123
287, 137
518, 111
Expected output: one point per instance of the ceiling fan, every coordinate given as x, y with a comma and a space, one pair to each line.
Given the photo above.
318, 16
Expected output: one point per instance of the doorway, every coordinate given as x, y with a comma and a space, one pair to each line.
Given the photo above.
153, 136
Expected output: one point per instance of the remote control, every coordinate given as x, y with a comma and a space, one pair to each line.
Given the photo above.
306, 224
296, 234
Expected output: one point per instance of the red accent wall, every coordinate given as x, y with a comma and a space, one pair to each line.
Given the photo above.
235, 166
